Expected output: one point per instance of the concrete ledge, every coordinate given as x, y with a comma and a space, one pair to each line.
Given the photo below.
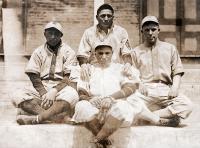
66, 136
13, 135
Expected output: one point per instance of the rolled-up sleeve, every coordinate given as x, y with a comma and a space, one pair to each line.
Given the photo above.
84, 46
134, 76
34, 64
70, 58
125, 43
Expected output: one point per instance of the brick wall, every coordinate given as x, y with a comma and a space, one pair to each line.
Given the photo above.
75, 16
127, 16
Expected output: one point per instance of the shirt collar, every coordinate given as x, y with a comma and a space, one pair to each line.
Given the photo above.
156, 44
50, 51
99, 30
55, 51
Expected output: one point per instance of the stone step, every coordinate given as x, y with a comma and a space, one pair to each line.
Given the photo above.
76, 136
65, 136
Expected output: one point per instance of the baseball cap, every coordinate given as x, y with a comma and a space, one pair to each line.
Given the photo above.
55, 25
103, 44
149, 18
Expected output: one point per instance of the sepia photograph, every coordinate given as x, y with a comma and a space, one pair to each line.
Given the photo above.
100, 74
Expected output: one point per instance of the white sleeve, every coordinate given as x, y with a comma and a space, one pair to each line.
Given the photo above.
125, 43
34, 64
84, 46
133, 78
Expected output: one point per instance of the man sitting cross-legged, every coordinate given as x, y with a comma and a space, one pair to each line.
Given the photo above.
53, 96
106, 98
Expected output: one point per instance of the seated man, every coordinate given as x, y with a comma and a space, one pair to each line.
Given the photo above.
49, 71
106, 98
160, 73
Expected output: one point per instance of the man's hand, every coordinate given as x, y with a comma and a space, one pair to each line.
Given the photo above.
127, 70
96, 101
106, 103
130, 72
49, 98
173, 92
85, 72
143, 90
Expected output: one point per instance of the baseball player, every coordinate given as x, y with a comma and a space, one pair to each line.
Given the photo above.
105, 30
160, 73
52, 95
107, 101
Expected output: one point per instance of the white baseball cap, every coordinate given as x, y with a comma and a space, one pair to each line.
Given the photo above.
101, 44
54, 24
149, 18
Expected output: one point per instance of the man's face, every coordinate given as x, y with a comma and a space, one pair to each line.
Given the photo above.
103, 55
105, 18
53, 36
150, 33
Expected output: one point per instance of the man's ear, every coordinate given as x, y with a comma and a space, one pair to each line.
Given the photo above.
61, 34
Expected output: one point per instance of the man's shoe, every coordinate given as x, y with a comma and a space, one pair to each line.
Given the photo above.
102, 143
172, 122
105, 143
26, 120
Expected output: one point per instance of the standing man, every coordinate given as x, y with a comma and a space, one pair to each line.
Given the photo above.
49, 72
105, 30
161, 71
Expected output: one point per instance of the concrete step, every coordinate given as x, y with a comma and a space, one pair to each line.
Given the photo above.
65, 136
73, 136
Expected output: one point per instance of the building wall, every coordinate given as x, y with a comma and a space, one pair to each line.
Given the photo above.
1, 41
75, 16
127, 14
179, 22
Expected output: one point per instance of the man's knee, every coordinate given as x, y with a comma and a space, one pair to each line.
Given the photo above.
81, 105
84, 112
68, 94
31, 106
29, 103
123, 111
63, 105
182, 106
118, 109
